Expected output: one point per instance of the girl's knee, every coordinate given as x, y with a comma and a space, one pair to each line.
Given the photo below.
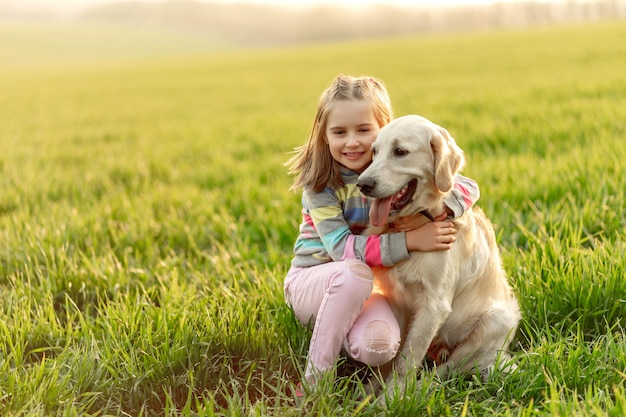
376, 345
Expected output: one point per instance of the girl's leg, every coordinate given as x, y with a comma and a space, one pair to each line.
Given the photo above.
375, 335
329, 297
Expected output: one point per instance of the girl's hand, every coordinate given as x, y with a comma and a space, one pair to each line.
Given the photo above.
433, 236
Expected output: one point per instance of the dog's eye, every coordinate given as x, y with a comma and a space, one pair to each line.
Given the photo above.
400, 152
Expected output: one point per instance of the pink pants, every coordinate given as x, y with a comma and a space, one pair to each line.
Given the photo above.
336, 299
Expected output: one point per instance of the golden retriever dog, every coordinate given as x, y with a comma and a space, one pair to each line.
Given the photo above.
455, 306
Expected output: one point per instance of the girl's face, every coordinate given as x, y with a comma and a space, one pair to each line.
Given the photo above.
350, 131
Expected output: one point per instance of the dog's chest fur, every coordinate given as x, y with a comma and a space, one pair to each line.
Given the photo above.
407, 282
418, 280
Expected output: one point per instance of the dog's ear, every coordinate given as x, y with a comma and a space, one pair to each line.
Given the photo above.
449, 158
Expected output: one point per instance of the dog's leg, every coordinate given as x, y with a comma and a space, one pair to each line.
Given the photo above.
481, 347
422, 330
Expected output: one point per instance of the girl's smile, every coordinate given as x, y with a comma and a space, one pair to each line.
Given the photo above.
354, 155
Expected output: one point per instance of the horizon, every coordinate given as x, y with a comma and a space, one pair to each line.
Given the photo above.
74, 6
256, 22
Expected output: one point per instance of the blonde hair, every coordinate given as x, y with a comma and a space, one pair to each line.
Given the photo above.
312, 163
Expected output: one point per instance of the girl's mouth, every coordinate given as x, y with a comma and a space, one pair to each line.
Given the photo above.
353, 155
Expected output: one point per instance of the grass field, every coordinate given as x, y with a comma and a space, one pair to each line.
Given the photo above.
146, 225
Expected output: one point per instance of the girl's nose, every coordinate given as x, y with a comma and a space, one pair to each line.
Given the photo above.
353, 141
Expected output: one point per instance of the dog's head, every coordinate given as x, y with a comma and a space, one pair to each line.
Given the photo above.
414, 165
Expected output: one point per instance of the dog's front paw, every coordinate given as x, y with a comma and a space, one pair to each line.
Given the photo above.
503, 366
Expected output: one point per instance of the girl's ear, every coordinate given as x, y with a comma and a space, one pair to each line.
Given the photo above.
449, 158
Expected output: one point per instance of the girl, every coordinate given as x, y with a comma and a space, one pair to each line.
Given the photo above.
329, 285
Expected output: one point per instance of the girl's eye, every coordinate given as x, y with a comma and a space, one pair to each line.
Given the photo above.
400, 152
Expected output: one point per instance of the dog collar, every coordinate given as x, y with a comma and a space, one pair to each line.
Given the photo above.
427, 214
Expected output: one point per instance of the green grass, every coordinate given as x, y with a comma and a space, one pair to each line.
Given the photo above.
146, 225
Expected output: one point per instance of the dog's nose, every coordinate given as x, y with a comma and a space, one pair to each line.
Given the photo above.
366, 185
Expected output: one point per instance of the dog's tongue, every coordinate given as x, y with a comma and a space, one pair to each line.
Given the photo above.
379, 212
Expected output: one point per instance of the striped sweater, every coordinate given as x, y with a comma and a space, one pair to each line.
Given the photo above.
334, 219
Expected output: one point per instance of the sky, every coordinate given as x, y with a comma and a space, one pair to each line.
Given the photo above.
70, 7
78, 3
361, 2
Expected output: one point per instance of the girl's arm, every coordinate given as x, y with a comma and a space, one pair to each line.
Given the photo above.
327, 218
326, 215
464, 195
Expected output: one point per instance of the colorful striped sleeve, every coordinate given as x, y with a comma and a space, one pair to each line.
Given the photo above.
464, 195
327, 215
